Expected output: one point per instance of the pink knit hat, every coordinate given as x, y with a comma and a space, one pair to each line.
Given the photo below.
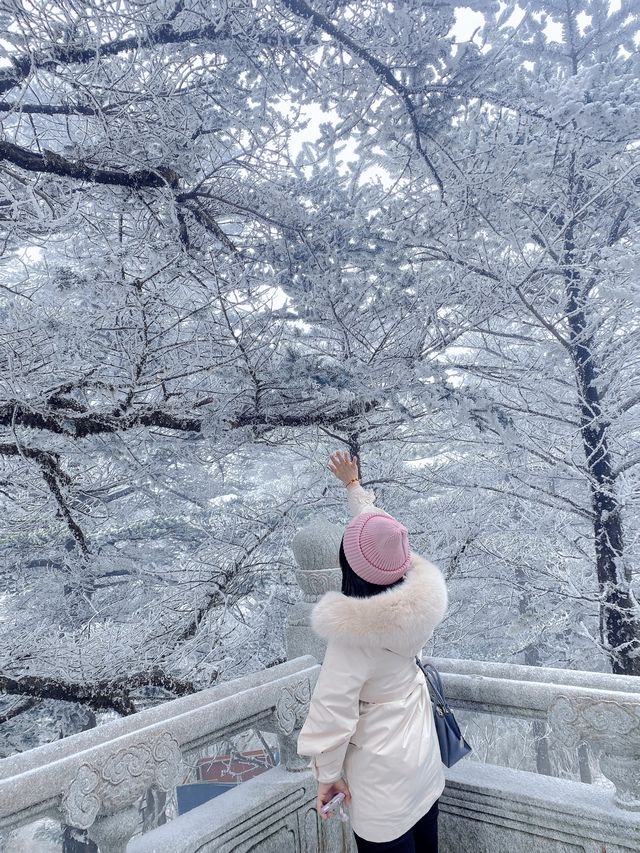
377, 548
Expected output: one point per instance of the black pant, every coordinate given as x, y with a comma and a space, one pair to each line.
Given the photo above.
421, 838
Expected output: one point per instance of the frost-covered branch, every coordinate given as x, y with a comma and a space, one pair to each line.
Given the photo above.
109, 694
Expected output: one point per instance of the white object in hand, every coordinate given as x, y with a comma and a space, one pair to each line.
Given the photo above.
335, 803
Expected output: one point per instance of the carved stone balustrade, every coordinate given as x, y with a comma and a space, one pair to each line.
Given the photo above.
599, 709
95, 780
612, 727
105, 790
484, 807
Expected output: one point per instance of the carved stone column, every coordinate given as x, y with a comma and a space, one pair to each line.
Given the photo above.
103, 797
315, 548
612, 727
290, 713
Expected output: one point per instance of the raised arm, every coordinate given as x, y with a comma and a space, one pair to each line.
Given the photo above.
346, 470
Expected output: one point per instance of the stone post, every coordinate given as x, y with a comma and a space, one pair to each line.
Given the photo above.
315, 548
612, 727
290, 713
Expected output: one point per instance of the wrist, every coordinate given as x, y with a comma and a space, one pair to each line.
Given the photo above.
354, 481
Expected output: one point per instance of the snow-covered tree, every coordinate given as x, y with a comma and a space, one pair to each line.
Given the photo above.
514, 182
194, 316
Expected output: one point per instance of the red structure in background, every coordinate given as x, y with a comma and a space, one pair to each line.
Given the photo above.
233, 769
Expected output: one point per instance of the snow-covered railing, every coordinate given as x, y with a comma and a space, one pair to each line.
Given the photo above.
491, 807
95, 780
598, 709
484, 806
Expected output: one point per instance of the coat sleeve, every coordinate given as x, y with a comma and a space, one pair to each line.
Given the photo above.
360, 500
334, 708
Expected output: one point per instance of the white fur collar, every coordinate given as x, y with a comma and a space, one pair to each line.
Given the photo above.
401, 618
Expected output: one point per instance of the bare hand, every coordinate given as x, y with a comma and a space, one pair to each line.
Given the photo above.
327, 790
344, 468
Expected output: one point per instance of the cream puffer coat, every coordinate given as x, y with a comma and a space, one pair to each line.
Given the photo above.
370, 719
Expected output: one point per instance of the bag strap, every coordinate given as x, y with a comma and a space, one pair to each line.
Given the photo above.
434, 683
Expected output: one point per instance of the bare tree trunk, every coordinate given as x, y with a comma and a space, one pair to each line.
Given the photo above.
619, 612
532, 658
354, 449
539, 727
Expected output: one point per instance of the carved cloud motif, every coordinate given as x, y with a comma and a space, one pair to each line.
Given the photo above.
121, 778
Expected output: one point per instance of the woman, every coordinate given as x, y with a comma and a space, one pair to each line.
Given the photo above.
370, 730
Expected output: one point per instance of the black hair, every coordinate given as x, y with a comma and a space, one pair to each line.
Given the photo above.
356, 587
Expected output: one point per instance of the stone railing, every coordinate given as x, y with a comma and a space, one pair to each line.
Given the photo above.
95, 780
594, 708
486, 806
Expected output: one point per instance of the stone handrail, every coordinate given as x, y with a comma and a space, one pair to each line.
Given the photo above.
579, 706
93, 780
545, 674
529, 691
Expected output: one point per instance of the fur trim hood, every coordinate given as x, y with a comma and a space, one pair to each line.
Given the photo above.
401, 618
